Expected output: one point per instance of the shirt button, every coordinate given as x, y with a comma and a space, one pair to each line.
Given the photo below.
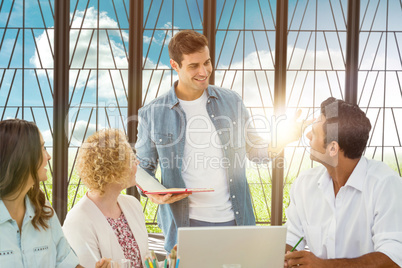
160, 140
234, 122
226, 147
209, 101
237, 213
230, 180
233, 196
212, 115
220, 132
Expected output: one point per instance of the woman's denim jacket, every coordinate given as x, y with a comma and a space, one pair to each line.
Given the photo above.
161, 140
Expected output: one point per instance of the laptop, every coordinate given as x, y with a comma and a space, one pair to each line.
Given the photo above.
249, 246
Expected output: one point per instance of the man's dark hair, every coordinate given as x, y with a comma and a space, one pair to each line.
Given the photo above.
346, 124
184, 43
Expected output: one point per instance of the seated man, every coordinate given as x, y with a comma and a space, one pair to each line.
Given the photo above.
348, 210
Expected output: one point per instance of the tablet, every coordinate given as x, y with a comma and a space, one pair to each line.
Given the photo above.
148, 185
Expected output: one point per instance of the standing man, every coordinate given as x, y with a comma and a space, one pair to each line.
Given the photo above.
195, 133
349, 209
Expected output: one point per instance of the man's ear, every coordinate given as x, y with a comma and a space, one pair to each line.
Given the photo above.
174, 65
333, 148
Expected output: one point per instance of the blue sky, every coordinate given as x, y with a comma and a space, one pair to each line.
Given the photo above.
252, 50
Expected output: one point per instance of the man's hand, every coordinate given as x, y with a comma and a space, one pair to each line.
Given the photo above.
296, 127
175, 249
308, 260
167, 198
286, 132
302, 258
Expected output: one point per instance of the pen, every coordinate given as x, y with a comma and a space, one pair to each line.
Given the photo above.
165, 264
173, 259
154, 259
92, 253
296, 244
155, 263
149, 262
146, 263
177, 263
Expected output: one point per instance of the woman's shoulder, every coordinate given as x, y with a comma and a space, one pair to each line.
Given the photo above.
83, 209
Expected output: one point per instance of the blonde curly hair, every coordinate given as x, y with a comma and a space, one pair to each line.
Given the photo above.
104, 158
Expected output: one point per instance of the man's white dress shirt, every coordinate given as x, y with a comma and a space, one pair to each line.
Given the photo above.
364, 217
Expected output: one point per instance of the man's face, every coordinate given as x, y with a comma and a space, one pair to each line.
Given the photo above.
194, 71
318, 151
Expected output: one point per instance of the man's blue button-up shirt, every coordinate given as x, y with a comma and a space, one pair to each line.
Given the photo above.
161, 140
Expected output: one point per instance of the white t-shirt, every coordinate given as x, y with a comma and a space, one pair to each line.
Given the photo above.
203, 165
364, 217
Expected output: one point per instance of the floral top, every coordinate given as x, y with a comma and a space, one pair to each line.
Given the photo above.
126, 239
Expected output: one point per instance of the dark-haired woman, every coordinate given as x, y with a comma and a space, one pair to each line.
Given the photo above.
30, 233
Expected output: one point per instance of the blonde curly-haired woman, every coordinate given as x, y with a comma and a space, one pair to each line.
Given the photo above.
104, 221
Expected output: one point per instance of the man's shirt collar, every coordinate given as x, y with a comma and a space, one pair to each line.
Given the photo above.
173, 100
356, 179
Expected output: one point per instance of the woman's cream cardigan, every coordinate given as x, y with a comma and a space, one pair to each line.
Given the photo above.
85, 224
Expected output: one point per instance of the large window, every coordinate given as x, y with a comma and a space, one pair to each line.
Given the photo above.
244, 61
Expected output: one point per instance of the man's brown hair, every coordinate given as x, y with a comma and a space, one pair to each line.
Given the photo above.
184, 43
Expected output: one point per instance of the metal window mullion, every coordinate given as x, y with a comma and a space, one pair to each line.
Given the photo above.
315, 53
385, 82
352, 51
209, 30
60, 104
134, 101
244, 49
23, 60
279, 106
97, 69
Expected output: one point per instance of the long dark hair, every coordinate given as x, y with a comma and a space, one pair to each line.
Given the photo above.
21, 157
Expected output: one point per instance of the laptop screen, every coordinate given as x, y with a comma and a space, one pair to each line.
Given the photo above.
249, 246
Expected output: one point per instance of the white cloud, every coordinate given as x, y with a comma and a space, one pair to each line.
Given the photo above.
105, 87
81, 53
43, 54
162, 37
79, 130
47, 137
148, 39
303, 86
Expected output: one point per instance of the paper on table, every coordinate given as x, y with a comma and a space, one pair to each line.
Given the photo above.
149, 185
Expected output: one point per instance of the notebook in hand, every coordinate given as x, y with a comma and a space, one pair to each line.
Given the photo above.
149, 185
249, 246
